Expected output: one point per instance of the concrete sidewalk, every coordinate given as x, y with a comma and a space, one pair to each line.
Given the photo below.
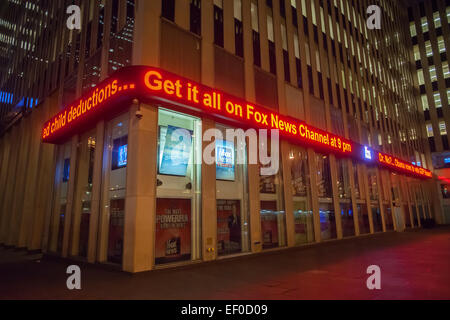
414, 265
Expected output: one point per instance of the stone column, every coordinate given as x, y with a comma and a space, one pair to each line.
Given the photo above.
140, 202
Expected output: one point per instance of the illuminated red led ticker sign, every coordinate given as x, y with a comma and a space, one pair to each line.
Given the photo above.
150, 84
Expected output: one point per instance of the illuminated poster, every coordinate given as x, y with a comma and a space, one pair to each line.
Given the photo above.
269, 224
173, 230
225, 160
228, 226
174, 150
119, 153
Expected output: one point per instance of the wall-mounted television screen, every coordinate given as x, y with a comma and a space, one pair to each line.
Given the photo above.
175, 146
225, 160
119, 153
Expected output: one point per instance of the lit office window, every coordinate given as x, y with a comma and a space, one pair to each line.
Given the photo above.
428, 49
238, 9
270, 34
441, 44
442, 128
429, 128
424, 23
425, 105
296, 46
255, 21
445, 70
433, 74
420, 77
304, 11
437, 100
412, 29
313, 11
416, 53
437, 20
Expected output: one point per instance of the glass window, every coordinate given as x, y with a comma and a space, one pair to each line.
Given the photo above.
296, 45
424, 23
344, 192
324, 189
416, 52
178, 204
348, 223
359, 184
115, 159
231, 194
284, 36
304, 11
442, 128
428, 48
429, 127
420, 77
445, 189
343, 182
301, 193
363, 219
270, 35
425, 105
433, 75
273, 218
388, 217
437, 100
238, 9
83, 195
441, 44
255, 21
373, 184
323, 176
376, 218
437, 20
412, 29
445, 70
62, 174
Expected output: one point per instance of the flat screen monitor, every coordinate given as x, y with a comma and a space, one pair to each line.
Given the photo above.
175, 146
225, 160
119, 153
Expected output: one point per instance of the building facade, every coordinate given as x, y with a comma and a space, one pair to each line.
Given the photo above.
429, 31
115, 188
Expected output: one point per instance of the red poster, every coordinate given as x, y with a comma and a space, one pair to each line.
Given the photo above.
228, 226
173, 230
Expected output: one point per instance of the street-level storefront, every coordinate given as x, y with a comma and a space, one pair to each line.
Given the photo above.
132, 188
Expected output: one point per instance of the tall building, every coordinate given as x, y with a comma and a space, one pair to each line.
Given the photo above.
430, 36
106, 165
